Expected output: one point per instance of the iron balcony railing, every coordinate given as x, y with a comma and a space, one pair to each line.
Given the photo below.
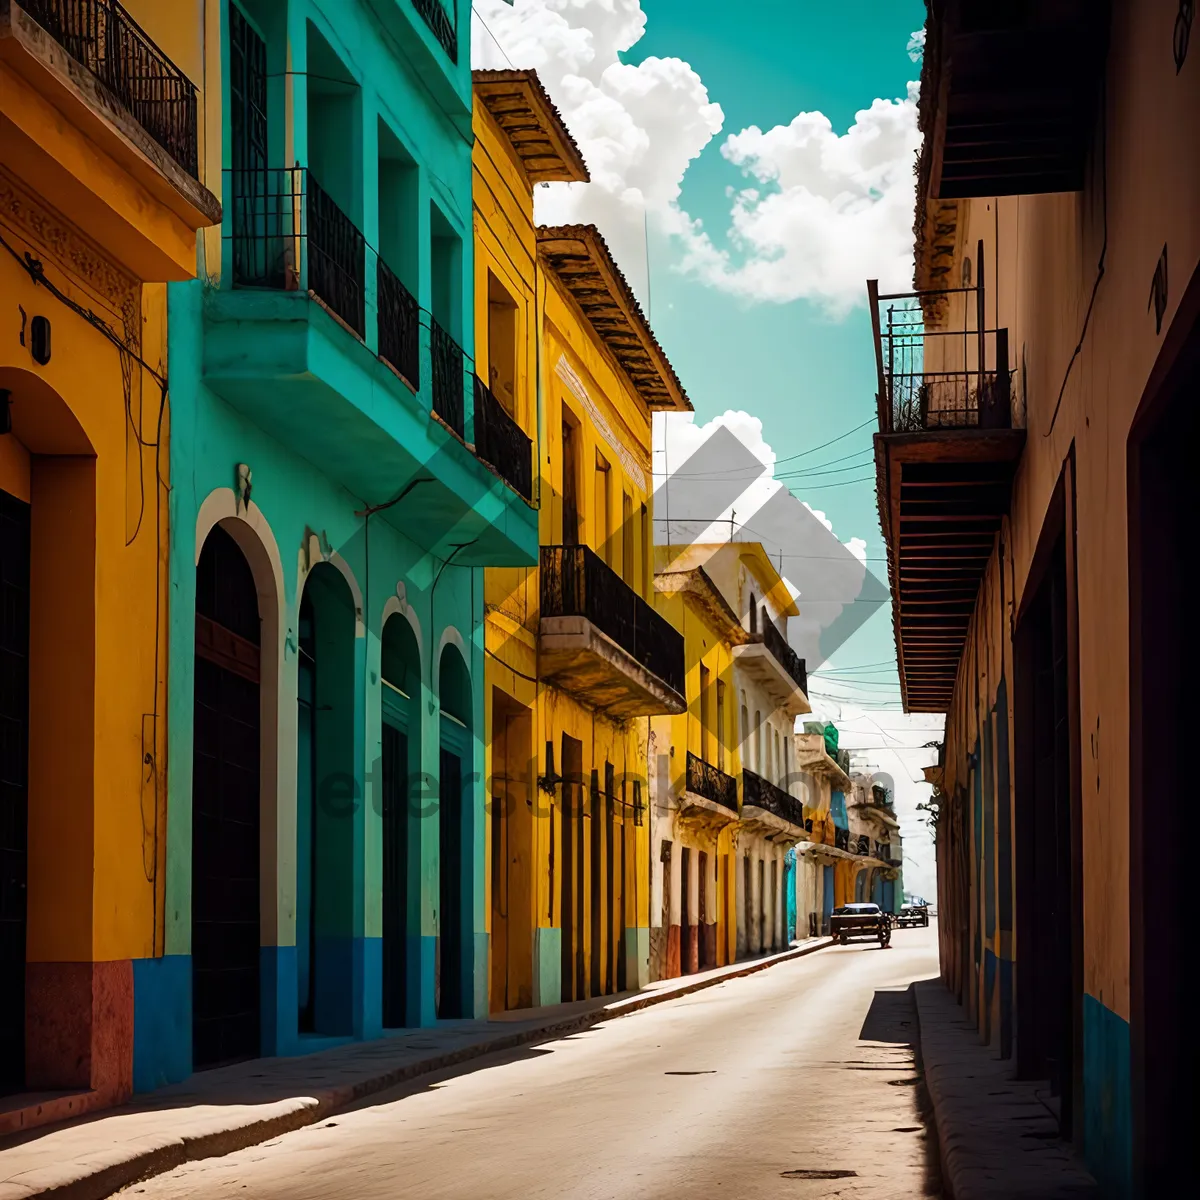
765, 795
440, 23
399, 324
863, 846
336, 258
577, 582
703, 779
447, 360
784, 655
841, 838
501, 442
931, 377
285, 223
102, 37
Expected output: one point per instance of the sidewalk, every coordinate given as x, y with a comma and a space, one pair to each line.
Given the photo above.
217, 1112
998, 1139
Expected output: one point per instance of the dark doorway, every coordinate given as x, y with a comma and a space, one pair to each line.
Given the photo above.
395, 872
571, 877
762, 904
1164, 661
400, 681
702, 954
328, 803
454, 986
225, 808
1049, 888
596, 881
685, 911
610, 881
747, 910
306, 816
450, 908
14, 784
511, 984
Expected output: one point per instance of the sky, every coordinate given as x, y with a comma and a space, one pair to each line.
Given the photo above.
752, 166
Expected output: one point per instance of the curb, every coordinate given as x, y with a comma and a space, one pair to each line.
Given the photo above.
133, 1162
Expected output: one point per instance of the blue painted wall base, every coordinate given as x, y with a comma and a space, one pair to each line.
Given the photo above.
162, 1021
547, 966
1107, 1116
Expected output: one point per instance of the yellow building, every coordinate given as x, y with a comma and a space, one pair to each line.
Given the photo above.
695, 765
577, 658
101, 196
727, 799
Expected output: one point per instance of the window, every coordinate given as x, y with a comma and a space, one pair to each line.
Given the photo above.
647, 568
602, 510
720, 726
758, 742
627, 542
745, 733
570, 481
753, 614
502, 345
704, 714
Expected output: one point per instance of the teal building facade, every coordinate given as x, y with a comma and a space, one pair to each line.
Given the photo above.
334, 497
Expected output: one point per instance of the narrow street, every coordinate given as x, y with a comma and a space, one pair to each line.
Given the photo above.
805, 1067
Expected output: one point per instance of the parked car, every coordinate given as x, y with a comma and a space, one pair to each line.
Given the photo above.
914, 911
861, 921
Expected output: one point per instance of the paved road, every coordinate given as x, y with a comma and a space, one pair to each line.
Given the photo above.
806, 1067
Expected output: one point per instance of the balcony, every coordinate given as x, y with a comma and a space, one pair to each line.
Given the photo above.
944, 457
710, 796
770, 810
434, 14
319, 342
399, 326
1009, 96
98, 119
841, 839
767, 658
502, 443
599, 640
449, 364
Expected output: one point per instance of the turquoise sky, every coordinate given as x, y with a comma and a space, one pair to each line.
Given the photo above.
808, 377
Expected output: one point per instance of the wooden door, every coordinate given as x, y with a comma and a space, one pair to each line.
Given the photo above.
225, 808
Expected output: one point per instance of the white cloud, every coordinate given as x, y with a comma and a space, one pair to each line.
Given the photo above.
638, 126
819, 212
823, 212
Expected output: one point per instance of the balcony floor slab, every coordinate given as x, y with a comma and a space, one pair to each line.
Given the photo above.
293, 369
576, 656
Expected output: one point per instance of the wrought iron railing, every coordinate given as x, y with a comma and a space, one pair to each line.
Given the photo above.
841, 838
336, 258
285, 225
102, 37
863, 846
930, 377
762, 793
784, 655
399, 324
703, 779
576, 582
446, 359
434, 14
501, 442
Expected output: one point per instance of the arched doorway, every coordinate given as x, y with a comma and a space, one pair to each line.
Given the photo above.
225, 807
453, 983
400, 676
326, 803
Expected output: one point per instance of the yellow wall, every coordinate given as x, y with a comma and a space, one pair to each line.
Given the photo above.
714, 741
84, 453
505, 246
